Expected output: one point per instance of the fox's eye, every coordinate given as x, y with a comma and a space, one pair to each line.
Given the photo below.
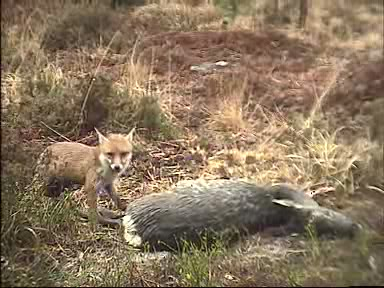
110, 155
124, 154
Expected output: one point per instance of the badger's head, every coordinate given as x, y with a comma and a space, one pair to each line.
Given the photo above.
323, 220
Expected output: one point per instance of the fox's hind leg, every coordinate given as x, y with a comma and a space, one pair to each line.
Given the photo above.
55, 186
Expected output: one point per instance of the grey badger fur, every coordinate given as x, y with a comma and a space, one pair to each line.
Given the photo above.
196, 207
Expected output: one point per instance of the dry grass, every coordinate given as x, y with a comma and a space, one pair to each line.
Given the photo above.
353, 25
176, 17
229, 115
44, 242
315, 161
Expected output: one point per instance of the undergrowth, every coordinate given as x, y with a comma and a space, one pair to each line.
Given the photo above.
65, 73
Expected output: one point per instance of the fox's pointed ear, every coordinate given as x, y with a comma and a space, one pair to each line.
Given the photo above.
129, 136
101, 137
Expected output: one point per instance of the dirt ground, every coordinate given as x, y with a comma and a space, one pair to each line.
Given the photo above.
282, 73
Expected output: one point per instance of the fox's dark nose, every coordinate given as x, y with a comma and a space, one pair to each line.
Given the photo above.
116, 167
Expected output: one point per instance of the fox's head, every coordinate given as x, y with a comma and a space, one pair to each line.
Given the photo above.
115, 151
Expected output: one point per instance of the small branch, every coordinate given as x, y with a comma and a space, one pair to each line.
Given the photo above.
53, 130
319, 100
94, 75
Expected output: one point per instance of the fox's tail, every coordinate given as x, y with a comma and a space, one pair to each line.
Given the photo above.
38, 170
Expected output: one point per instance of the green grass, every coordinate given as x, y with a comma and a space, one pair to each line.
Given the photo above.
195, 264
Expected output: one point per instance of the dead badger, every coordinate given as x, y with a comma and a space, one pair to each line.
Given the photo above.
196, 208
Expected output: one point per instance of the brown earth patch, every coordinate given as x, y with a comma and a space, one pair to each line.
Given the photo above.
281, 72
362, 84
277, 68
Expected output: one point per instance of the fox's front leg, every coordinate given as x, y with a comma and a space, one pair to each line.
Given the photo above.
94, 215
108, 213
116, 198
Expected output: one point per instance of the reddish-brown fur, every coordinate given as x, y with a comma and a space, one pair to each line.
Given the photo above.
89, 166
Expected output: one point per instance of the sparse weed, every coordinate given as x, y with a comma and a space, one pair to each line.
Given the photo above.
150, 116
32, 222
314, 241
230, 114
87, 27
175, 17
295, 278
194, 264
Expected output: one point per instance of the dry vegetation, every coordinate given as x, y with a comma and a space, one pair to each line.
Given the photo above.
300, 106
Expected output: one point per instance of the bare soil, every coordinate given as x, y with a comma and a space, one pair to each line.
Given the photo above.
282, 72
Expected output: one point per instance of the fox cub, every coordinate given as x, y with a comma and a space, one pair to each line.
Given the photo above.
96, 168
